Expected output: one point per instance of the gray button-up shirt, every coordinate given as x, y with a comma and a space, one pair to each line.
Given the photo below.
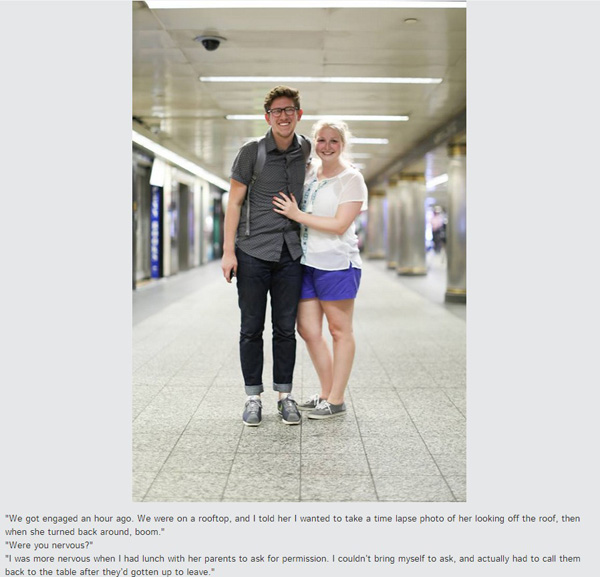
282, 171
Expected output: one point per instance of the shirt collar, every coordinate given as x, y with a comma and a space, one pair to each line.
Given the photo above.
271, 141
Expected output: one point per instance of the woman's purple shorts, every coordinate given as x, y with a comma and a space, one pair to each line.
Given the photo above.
330, 285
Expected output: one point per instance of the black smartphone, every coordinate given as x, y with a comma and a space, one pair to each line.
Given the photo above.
231, 274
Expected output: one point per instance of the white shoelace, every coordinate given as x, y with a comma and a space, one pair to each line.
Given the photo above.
323, 406
253, 405
287, 399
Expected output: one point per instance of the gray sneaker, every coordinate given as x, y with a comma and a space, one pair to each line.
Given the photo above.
252, 412
288, 411
309, 404
325, 410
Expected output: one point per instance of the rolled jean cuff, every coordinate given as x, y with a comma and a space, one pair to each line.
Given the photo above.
282, 388
254, 389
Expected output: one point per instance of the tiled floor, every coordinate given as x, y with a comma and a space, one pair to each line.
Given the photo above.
403, 438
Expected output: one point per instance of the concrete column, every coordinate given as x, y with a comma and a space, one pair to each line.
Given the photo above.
456, 229
376, 224
392, 223
411, 255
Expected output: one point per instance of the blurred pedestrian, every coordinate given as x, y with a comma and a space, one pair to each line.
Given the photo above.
438, 229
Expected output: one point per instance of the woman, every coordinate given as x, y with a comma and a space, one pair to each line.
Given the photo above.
334, 195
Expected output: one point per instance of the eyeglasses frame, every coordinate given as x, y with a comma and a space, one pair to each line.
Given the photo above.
282, 110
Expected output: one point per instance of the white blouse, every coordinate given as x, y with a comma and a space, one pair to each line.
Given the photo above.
323, 250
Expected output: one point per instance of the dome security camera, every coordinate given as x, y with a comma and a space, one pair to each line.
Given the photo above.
211, 43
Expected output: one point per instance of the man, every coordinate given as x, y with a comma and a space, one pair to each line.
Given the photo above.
262, 250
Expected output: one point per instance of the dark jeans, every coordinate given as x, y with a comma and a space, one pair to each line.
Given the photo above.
282, 280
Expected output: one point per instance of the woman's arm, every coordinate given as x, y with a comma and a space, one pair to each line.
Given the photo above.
338, 224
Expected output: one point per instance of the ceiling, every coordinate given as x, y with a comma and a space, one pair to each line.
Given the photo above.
184, 114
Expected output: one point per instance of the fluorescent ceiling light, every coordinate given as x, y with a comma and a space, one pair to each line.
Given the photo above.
326, 79
177, 4
173, 157
369, 141
433, 182
349, 117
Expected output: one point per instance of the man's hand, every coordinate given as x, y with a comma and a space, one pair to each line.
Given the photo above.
229, 266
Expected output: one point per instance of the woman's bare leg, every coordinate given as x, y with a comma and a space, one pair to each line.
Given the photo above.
339, 317
310, 328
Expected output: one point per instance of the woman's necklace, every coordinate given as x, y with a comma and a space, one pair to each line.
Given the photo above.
318, 181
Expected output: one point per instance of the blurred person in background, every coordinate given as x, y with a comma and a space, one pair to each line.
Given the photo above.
438, 229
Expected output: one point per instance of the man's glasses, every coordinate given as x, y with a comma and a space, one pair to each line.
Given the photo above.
276, 112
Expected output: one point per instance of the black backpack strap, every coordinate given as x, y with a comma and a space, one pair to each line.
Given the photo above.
306, 148
261, 156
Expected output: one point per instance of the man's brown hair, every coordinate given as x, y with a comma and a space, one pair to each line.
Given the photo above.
280, 91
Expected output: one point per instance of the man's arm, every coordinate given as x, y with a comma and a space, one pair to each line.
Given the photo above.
237, 194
